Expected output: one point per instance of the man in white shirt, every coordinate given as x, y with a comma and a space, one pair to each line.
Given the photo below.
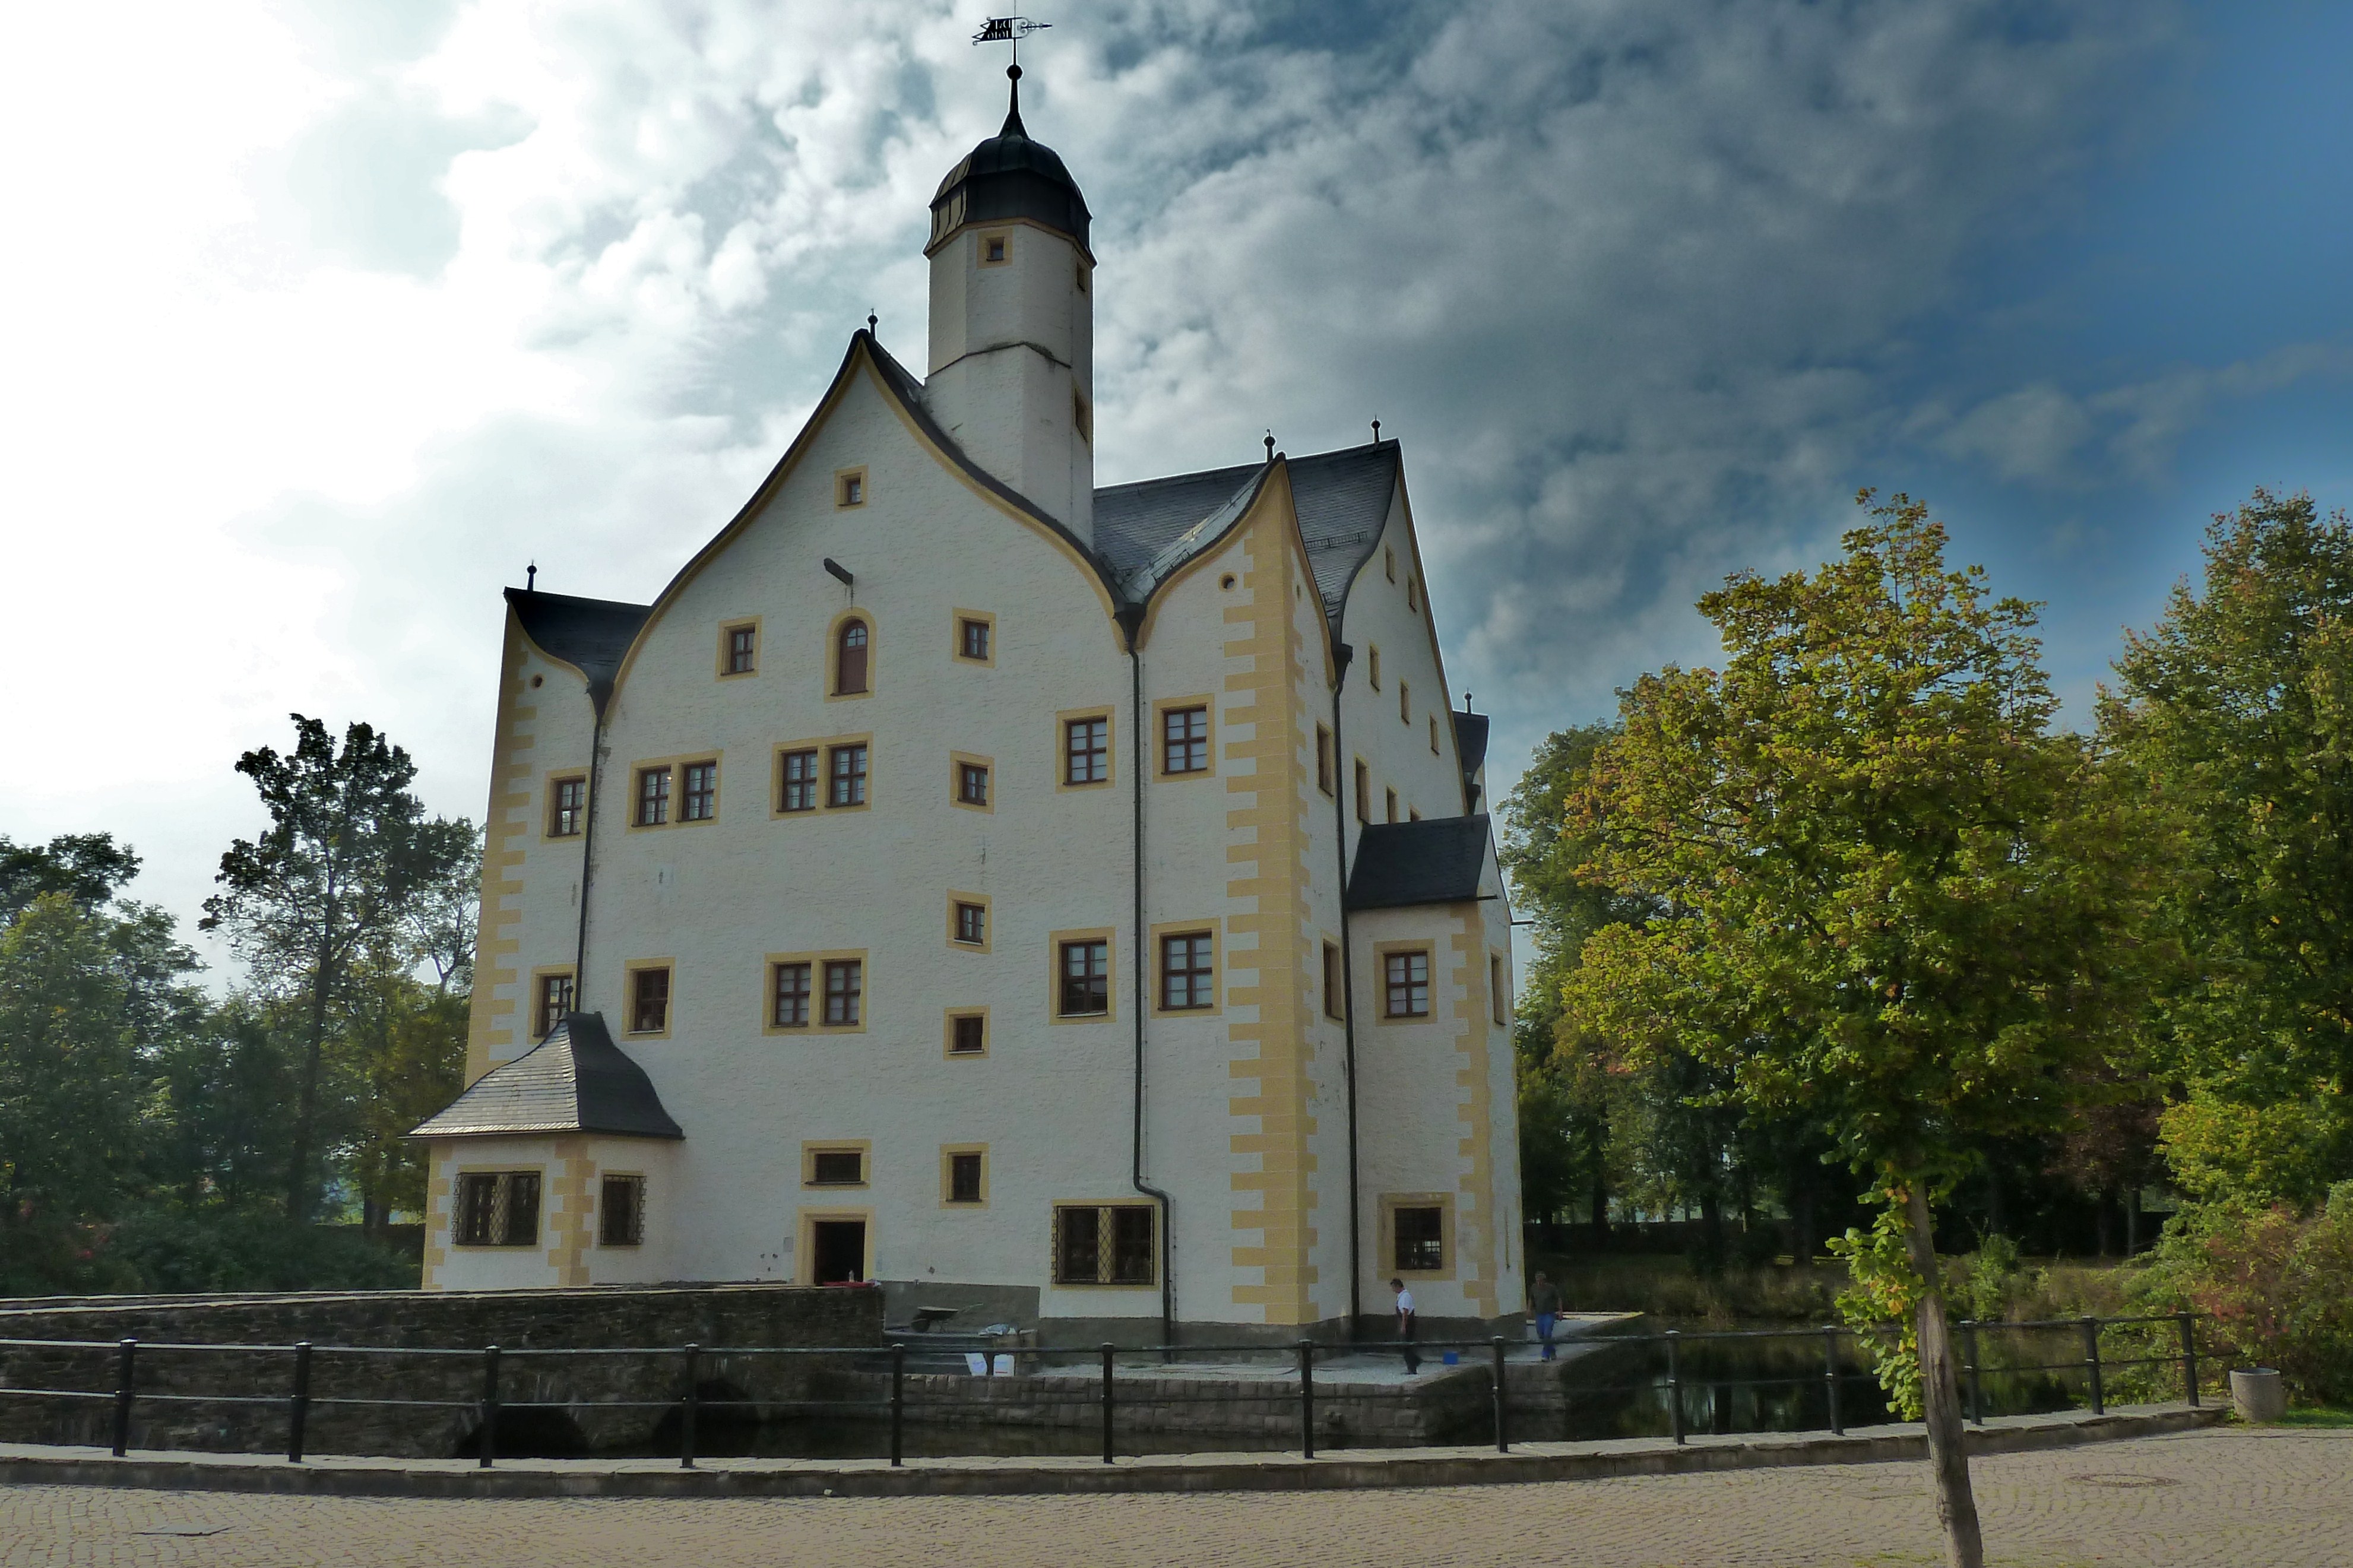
1405, 1326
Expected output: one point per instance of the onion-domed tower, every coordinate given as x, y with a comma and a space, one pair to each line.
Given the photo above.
1011, 369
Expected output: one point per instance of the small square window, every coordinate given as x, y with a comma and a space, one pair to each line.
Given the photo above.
848, 775
653, 796
699, 802
554, 1002
1187, 976
650, 1000
972, 639
971, 924
1408, 975
1334, 987
1185, 741
836, 1168
996, 250
845, 991
1085, 990
742, 650
967, 1034
790, 1006
1324, 759
963, 1176
567, 808
1420, 1233
972, 783
1086, 751
849, 488
621, 1211
799, 788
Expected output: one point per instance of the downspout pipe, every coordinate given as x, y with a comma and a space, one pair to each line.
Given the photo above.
1131, 622
600, 697
1342, 790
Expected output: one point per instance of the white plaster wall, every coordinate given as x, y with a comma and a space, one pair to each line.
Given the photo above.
1375, 615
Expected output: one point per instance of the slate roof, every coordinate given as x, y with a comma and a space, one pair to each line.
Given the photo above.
575, 1081
1470, 745
1436, 860
592, 634
1342, 498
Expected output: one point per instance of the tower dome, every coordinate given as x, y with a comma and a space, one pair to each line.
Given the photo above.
1008, 177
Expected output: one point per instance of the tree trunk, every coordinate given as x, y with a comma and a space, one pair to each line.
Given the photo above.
2102, 1233
1805, 1236
1600, 1200
2132, 1221
306, 1111
1948, 1459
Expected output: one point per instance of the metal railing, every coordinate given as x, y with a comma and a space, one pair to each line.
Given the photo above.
1069, 1378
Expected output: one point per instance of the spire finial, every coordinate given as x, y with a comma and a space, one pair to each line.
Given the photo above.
1377, 432
1010, 30
530, 578
1269, 446
870, 319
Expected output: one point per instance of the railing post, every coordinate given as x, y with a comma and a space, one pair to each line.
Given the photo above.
126, 1367
1307, 1398
1830, 1377
690, 1402
1969, 1362
1107, 1350
1674, 1385
1503, 1402
298, 1405
898, 1404
2189, 1359
2092, 1365
489, 1405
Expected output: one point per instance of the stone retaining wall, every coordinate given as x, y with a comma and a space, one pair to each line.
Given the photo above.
172, 1412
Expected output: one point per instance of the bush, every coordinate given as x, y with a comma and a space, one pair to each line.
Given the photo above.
2276, 1284
178, 1250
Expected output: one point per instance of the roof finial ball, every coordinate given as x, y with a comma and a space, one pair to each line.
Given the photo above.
1269, 446
530, 578
1377, 432
871, 319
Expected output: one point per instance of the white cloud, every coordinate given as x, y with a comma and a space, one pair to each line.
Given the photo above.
317, 340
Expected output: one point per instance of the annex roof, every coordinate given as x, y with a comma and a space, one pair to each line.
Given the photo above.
593, 635
1342, 498
575, 1081
1438, 860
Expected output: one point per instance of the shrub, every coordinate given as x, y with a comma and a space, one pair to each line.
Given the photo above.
2276, 1284
177, 1251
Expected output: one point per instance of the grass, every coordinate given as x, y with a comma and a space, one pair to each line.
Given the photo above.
2318, 1417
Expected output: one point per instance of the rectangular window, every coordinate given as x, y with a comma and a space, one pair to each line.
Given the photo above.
1405, 701
1115, 1243
1408, 984
849, 774
742, 650
845, 983
567, 807
498, 1208
1412, 595
1433, 734
1390, 797
1323, 759
653, 796
836, 1168
967, 1034
1421, 1237
1364, 793
1389, 563
972, 783
1332, 982
1495, 988
971, 924
1185, 741
790, 1009
800, 779
699, 802
963, 1176
972, 639
621, 1211
555, 1001
1374, 664
849, 488
1188, 977
649, 1001
1086, 751
1086, 979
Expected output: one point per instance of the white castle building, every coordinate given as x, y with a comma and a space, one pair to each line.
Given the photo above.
1071, 904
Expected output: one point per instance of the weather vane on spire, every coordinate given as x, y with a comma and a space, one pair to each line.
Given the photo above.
1007, 30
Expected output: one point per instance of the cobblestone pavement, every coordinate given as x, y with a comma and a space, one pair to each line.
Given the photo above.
2259, 1498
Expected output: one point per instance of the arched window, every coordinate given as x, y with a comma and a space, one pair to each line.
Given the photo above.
849, 660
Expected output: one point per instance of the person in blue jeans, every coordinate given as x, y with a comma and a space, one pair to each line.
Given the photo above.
1544, 1299
1405, 1327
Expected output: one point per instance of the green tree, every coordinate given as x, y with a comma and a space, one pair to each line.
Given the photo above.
68, 1102
2236, 710
1886, 897
349, 858
85, 866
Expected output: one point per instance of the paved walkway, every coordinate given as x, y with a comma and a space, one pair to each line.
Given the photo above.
2228, 1497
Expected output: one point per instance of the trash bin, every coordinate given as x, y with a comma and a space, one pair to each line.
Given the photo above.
2257, 1395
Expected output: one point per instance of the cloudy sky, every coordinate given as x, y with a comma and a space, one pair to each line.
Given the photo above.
318, 321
